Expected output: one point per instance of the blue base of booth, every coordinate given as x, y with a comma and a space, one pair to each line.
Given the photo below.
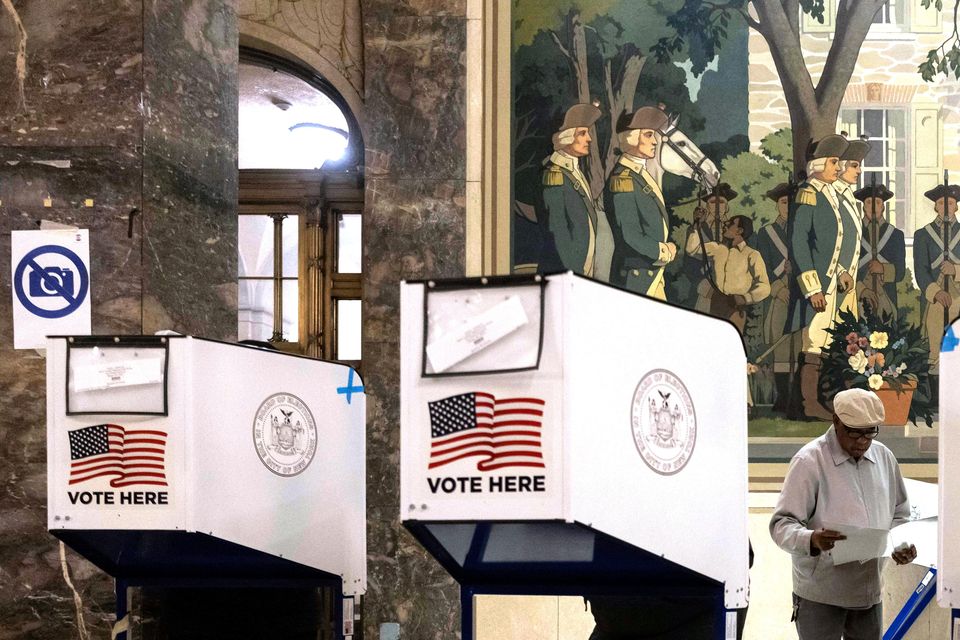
559, 558
179, 559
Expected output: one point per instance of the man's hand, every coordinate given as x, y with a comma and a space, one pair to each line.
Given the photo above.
824, 540
671, 251
905, 556
948, 269
739, 300
845, 282
818, 301
875, 267
943, 299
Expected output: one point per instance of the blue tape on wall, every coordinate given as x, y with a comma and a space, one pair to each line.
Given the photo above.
950, 341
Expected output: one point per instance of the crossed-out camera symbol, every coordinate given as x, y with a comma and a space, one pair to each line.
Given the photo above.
50, 282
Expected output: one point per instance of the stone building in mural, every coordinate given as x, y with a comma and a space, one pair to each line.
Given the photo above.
913, 125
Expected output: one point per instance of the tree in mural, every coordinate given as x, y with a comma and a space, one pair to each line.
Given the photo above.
945, 59
701, 28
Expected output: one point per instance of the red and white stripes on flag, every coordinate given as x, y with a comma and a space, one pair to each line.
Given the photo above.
128, 456
500, 432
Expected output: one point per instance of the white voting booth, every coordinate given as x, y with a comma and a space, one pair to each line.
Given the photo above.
174, 459
560, 436
948, 560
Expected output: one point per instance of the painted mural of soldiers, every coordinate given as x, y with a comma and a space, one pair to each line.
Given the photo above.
851, 215
936, 263
636, 205
817, 238
709, 223
578, 235
711, 220
882, 254
737, 270
773, 243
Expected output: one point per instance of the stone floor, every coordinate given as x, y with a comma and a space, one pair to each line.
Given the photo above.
566, 618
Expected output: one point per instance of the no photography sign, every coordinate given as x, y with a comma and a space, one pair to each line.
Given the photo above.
51, 285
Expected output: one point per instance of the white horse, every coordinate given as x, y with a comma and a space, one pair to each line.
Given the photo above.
677, 154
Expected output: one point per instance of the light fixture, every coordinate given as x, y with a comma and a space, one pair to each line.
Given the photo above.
316, 143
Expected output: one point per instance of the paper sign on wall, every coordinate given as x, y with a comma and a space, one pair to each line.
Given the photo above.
51, 285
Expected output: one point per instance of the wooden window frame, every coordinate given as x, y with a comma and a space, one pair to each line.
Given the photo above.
317, 197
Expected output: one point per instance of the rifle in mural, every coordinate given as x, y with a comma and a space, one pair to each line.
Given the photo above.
875, 285
946, 244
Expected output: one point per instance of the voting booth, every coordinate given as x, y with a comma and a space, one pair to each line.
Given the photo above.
948, 560
180, 461
561, 436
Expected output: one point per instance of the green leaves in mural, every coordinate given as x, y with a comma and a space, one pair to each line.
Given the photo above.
944, 60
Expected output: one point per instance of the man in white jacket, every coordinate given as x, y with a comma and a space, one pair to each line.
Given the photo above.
842, 477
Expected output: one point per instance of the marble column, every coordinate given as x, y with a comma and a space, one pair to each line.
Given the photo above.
414, 227
128, 110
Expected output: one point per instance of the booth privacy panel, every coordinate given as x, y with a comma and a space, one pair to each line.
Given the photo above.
484, 446
617, 372
656, 429
281, 464
948, 560
117, 471
258, 449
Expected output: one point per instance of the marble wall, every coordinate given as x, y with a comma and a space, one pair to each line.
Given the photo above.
414, 227
132, 105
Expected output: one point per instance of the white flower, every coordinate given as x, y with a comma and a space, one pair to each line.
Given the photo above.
875, 381
858, 362
902, 367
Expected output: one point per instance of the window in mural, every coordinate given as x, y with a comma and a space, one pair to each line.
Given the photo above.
886, 161
783, 179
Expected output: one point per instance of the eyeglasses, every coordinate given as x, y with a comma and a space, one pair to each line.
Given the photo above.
856, 434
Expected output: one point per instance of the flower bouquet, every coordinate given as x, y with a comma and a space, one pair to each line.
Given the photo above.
888, 356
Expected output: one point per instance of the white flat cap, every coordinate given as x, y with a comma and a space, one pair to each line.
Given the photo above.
858, 408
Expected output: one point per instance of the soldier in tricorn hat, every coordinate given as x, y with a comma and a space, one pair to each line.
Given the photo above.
635, 202
936, 262
578, 235
773, 243
882, 254
708, 226
821, 280
851, 215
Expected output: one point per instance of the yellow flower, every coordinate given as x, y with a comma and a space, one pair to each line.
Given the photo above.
875, 381
858, 362
879, 340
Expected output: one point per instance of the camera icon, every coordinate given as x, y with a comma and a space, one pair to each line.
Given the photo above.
50, 281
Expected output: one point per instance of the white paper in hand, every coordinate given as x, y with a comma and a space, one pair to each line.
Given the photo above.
862, 543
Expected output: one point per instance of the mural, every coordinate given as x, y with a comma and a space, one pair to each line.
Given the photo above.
783, 165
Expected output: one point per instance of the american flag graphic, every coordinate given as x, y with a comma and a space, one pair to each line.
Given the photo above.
130, 456
502, 432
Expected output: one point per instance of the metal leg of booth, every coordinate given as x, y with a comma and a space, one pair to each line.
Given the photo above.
122, 624
913, 607
466, 613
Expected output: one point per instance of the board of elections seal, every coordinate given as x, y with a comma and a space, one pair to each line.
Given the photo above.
285, 434
663, 421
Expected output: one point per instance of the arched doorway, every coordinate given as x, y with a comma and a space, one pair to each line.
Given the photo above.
300, 206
